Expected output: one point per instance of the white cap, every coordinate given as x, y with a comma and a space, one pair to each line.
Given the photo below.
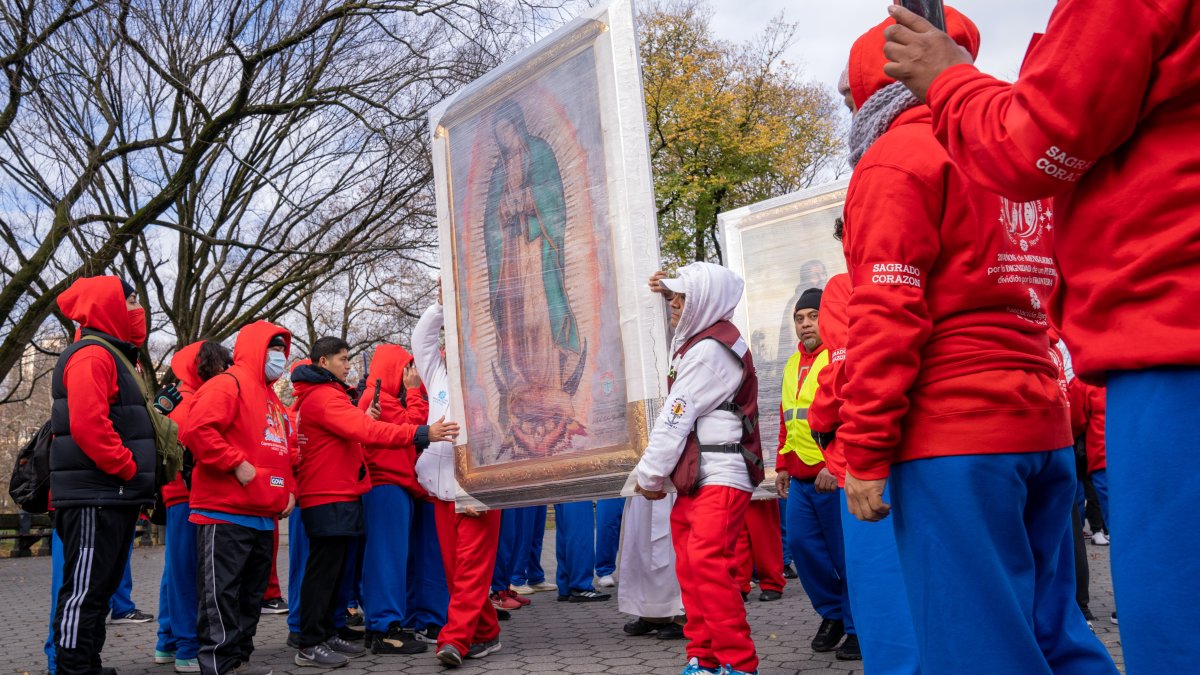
676, 285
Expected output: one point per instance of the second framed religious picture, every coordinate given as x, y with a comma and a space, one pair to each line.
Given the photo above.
781, 247
556, 349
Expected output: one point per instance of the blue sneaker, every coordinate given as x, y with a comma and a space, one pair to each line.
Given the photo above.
730, 670
693, 667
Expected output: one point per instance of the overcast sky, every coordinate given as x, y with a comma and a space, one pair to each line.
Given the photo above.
829, 27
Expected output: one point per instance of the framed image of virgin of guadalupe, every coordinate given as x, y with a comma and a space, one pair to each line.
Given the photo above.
556, 349
781, 247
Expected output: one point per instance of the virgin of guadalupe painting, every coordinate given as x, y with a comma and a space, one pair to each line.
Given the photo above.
555, 348
539, 363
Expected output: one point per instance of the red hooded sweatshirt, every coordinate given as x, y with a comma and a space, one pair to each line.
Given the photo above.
183, 364
947, 352
387, 465
90, 375
237, 417
332, 432
825, 413
1106, 119
1087, 416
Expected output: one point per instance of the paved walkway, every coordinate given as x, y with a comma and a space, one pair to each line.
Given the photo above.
547, 637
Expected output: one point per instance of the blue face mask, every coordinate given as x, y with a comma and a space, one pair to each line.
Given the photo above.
276, 364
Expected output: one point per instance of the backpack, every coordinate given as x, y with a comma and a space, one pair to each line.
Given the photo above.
166, 432
29, 486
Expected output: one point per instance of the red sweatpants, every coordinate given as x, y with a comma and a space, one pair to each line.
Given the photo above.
273, 590
469, 556
760, 547
704, 530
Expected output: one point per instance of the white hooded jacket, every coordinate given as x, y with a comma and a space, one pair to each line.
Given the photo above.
705, 377
435, 466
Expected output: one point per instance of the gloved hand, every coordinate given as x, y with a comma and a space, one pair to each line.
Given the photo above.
167, 398
824, 438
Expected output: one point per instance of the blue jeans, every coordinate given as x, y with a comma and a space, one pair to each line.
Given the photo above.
986, 547
387, 512
297, 559
514, 541
122, 601
787, 552
608, 534
815, 537
1152, 471
57, 560
177, 601
575, 546
882, 619
428, 595
531, 572
1100, 482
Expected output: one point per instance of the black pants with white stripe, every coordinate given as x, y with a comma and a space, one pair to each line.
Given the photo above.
96, 542
233, 567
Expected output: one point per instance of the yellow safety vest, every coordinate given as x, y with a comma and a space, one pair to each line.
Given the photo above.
797, 397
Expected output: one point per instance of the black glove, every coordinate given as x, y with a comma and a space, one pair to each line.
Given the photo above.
167, 398
824, 438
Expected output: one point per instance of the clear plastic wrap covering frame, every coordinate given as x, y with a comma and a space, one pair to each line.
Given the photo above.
781, 247
556, 349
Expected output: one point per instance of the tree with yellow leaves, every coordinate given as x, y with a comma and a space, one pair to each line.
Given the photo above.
729, 124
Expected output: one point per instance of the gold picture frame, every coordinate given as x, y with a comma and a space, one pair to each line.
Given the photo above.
556, 350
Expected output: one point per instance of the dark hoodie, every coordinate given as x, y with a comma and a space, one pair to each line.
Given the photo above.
332, 430
237, 417
183, 364
103, 452
388, 465
946, 350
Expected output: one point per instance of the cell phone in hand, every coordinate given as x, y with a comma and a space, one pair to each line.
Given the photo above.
375, 398
931, 10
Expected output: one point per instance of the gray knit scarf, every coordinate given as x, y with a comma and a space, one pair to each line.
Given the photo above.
876, 116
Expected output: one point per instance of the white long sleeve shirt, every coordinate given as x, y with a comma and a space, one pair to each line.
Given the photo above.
435, 466
706, 376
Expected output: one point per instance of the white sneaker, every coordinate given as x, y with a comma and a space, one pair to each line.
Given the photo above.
1099, 539
523, 589
606, 581
544, 586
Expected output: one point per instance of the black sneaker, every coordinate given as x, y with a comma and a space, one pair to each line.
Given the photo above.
482, 649
503, 615
450, 656
828, 636
1087, 613
587, 596
320, 656
670, 631
1113, 619
745, 596
428, 635
132, 616
276, 606
849, 650
641, 627
789, 572
395, 641
769, 596
350, 634
345, 648
293, 640
354, 617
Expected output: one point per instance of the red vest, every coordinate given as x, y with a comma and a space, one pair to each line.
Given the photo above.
686, 476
